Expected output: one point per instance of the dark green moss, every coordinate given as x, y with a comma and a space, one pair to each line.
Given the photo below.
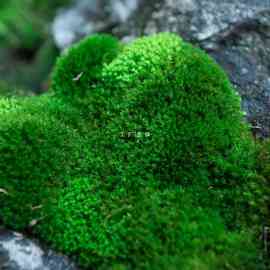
79, 70
139, 158
263, 169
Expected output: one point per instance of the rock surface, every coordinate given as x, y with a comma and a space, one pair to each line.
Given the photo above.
90, 16
20, 253
235, 32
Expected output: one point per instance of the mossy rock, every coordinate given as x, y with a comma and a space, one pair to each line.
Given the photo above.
159, 100
137, 159
80, 67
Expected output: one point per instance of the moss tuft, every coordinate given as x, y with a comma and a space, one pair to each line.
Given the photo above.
139, 157
79, 69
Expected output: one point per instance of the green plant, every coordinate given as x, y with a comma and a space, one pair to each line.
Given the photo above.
263, 160
161, 107
263, 170
23, 23
138, 159
79, 70
38, 147
110, 225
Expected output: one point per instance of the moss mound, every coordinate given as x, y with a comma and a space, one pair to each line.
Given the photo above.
161, 107
80, 68
137, 159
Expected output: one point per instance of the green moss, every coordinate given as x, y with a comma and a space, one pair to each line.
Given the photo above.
165, 108
79, 70
38, 147
139, 157
263, 169
143, 228
263, 164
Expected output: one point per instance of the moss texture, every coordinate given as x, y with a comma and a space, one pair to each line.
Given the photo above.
138, 158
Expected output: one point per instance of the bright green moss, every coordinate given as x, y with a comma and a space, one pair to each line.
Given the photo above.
139, 157
38, 147
165, 108
34, 133
79, 70
143, 228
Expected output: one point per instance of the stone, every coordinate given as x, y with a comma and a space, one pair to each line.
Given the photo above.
20, 253
89, 16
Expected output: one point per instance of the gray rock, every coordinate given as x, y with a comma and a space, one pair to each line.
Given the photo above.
235, 32
19, 253
90, 16
245, 55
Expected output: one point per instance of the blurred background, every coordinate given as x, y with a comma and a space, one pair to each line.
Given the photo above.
27, 50
235, 32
